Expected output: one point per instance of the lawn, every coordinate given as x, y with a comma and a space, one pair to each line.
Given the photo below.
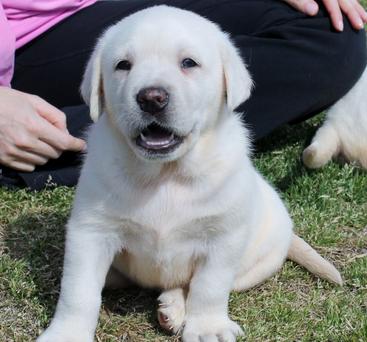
328, 207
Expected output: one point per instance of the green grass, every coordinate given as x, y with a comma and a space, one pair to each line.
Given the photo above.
329, 209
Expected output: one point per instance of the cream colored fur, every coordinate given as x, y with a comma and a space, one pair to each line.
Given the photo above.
344, 132
198, 222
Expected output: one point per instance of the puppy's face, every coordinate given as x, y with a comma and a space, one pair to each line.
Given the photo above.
161, 76
162, 85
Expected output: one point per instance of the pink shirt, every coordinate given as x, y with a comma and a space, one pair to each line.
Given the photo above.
23, 20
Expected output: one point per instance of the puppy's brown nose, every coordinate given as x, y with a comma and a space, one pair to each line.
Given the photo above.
152, 100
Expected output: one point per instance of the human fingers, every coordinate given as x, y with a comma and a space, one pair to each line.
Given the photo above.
362, 12
333, 8
11, 156
21, 126
60, 140
24, 140
25, 153
355, 13
308, 7
22, 166
19, 158
52, 114
29, 158
46, 150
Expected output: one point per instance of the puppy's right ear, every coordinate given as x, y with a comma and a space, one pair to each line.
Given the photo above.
92, 84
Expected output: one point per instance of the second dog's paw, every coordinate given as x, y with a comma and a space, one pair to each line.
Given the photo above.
208, 328
309, 155
171, 310
314, 157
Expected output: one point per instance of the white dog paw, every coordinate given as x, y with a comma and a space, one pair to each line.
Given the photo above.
64, 333
62, 337
324, 146
313, 156
171, 310
210, 329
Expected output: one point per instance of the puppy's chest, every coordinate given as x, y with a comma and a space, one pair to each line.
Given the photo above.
170, 215
163, 251
164, 232
162, 258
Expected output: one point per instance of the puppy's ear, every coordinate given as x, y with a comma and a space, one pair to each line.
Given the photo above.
238, 82
92, 84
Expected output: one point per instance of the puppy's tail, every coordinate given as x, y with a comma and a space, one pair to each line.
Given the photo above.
302, 253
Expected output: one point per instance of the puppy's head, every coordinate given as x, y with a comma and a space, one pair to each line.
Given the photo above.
164, 76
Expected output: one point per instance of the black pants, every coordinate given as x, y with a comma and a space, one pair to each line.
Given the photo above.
300, 64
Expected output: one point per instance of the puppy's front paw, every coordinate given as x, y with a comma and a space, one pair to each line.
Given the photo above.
65, 333
171, 310
209, 328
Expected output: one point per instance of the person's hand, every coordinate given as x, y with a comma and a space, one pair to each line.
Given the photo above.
351, 8
32, 131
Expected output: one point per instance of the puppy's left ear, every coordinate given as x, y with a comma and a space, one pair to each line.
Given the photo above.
91, 88
238, 82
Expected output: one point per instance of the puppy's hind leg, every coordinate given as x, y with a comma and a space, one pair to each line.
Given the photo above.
171, 309
116, 280
324, 146
262, 270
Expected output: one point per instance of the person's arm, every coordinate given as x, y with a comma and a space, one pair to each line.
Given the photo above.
351, 8
7, 48
32, 131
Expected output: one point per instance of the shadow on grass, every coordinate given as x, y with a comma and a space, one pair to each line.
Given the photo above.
133, 300
38, 239
288, 135
295, 172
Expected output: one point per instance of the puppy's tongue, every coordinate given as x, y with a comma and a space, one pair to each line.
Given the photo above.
156, 137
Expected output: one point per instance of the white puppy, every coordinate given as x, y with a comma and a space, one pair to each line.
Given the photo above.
168, 193
344, 132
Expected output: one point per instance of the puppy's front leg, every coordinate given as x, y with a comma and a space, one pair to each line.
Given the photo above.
88, 256
207, 303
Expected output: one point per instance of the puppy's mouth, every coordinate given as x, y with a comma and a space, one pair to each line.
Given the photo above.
158, 139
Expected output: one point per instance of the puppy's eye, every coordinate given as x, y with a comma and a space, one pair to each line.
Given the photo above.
123, 65
188, 63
